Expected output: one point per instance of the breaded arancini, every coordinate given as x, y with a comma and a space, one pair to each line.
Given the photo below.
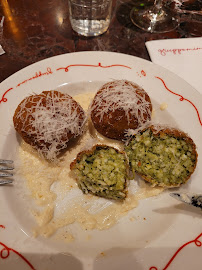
48, 121
164, 157
102, 171
118, 106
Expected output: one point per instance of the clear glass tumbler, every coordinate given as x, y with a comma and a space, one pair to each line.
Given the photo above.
90, 17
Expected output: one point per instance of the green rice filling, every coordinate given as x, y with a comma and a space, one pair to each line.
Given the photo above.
164, 160
103, 173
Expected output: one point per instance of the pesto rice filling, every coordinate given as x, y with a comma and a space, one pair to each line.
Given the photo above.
103, 173
164, 160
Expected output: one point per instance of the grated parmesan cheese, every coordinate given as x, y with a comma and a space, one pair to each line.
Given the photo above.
48, 121
119, 100
120, 94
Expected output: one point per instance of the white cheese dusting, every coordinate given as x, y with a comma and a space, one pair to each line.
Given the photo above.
51, 119
122, 95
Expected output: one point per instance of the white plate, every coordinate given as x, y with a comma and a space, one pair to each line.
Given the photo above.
164, 234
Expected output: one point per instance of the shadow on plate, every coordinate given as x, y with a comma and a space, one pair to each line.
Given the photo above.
27, 261
181, 208
151, 258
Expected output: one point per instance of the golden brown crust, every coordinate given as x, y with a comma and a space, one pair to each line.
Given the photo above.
114, 123
160, 132
23, 118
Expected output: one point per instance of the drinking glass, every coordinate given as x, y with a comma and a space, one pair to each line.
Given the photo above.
158, 18
90, 17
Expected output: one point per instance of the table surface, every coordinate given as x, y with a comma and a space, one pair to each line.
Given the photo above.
35, 30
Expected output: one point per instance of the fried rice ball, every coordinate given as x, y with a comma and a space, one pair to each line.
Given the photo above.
163, 156
48, 121
118, 106
102, 171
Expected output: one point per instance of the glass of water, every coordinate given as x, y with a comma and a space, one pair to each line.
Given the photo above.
90, 17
